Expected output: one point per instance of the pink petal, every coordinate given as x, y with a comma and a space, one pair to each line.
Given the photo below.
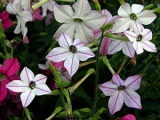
65, 41
147, 34
108, 88
105, 45
40, 79
3, 89
58, 54
97, 33
27, 75
138, 48
78, 43
117, 80
27, 97
148, 46
133, 82
41, 89
128, 49
128, 117
132, 99
124, 10
26, 39
136, 8
72, 64
115, 102
131, 36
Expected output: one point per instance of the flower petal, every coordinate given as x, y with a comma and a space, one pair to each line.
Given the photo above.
108, 88
78, 43
115, 102
138, 48
3, 89
105, 45
27, 75
40, 79
58, 54
133, 82
27, 97
147, 34
148, 46
132, 99
42, 89
97, 33
117, 80
11, 8
124, 10
72, 64
128, 49
131, 36
136, 8
65, 41
108, 15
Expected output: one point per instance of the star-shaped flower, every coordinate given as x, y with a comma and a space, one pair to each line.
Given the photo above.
140, 38
121, 91
71, 52
78, 23
131, 15
29, 86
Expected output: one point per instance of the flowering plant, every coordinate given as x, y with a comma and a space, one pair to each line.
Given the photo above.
65, 57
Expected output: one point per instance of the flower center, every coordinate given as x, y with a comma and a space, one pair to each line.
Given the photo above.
2, 76
139, 37
133, 16
32, 85
122, 87
73, 49
78, 20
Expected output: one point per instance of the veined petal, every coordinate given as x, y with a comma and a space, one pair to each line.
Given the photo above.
84, 53
128, 49
97, 33
72, 64
11, 8
131, 36
124, 10
42, 89
18, 86
108, 15
82, 8
132, 99
148, 46
59, 54
105, 45
27, 75
138, 48
94, 20
121, 25
63, 13
117, 80
147, 34
65, 41
40, 79
115, 102
78, 43
108, 88
136, 8
133, 82
27, 97
146, 17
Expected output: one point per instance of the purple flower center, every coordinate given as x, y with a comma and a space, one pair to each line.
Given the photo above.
122, 87
133, 16
2, 76
78, 20
139, 37
73, 49
32, 85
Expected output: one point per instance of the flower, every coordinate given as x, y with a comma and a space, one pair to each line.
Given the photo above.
140, 38
25, 4
131, 15
29, 86
78, 23
128, 117
122, 91
4, 18
37, 15
7, 73
71, 52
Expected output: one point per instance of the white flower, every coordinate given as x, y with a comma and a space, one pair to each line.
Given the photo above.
29, 86
25, 4
78, 23
131, 15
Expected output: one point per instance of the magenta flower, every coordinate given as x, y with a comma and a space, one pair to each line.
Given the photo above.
4, 18
7, 73
128, 117
121, 91
37, 15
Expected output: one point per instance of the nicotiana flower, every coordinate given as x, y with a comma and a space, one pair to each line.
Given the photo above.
71, 52
22, 15
4, 18
37, 15
25, 4
121, 91
78, 23
8, 73
140, 38
128, 117
131, 15
29, 86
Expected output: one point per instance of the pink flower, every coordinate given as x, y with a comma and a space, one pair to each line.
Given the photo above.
7, 73
128, 117
37, 15
4, 18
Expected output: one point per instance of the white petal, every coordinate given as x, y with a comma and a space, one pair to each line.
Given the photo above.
137, 28
25, 4
78, 43
11, 8
136, 8
147, 34
27, 97
94, 20
63, 13
97, 33
43, 66
18, 27
42, 89
138, 48
26, 16
148, 46
115, 102
132, 99
51, 4
72, 64
84, 53
146, 17
128, 49
58, 54
117, 80
82, 8
16, 1
65, 41
124, 10
27, 75
18, 86
108, 14
40, 79
131, 36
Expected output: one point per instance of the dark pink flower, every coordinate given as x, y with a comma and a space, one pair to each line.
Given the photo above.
4, 18
128, 117
37, 15
8, 73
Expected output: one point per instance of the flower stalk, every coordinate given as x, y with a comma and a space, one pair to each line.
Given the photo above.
39, 4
